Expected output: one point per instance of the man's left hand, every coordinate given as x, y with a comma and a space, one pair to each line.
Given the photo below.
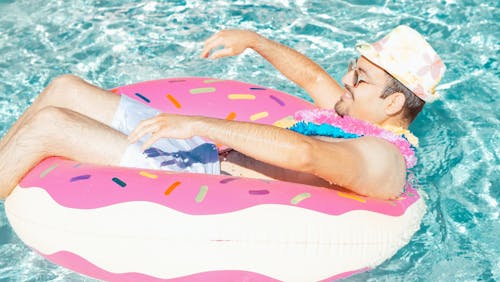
164, 126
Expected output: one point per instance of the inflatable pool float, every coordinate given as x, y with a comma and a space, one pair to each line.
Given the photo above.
122, 224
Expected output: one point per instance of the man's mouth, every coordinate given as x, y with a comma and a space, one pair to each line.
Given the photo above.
347, 95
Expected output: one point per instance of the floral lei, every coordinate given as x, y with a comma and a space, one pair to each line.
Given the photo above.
328, 123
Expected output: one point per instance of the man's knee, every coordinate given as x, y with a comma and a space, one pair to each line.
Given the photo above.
59, 89
65, 79
41, 129
49, 117
63, 84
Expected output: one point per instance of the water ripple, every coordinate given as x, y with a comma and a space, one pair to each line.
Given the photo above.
118, 42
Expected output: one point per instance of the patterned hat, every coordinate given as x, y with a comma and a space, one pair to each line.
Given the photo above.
406, 55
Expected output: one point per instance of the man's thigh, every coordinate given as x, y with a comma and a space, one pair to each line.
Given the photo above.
73, 93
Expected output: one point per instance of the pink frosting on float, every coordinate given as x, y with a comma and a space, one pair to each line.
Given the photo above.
215, 98
359, 127
86, 186
74, 261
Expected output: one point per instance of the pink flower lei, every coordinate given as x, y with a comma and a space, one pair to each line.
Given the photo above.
363, 128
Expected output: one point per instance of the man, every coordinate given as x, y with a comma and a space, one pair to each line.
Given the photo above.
386, 86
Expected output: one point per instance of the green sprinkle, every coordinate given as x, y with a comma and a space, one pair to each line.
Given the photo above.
201, 194
45, 172
202, 90
297, 199
119, 182
212, 80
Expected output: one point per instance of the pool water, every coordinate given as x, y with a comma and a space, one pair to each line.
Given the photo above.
113, 43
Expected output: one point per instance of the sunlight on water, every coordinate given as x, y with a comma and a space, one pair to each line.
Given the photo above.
113, 43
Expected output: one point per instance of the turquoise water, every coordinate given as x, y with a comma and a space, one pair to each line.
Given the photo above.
119, 42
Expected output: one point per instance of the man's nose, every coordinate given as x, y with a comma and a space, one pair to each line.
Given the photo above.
347, 78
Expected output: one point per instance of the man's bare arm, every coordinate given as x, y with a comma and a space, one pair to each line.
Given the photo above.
367, 165
322, 88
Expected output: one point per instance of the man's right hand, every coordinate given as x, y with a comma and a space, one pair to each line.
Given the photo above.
234, 42
322, 88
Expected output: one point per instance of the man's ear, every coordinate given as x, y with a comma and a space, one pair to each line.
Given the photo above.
394, 103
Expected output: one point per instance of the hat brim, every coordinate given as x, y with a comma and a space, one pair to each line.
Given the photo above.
368, 51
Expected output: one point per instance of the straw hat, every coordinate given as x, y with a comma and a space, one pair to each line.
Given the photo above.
406, 55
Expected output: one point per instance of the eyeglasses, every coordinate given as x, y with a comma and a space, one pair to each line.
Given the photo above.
357, 78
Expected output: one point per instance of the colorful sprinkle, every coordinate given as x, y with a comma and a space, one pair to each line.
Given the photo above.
172, 188
277, 100
202, 90
351, 196
201, 194
299, 198
231, 116
176, 80
257, 88
114, 90
258, 116
45, 172
174, 101
142, 97
119, 182
80, 177
212, 80
258, 192
77, 165
392, 203
285, 122
227, 180
148, 175
241, 97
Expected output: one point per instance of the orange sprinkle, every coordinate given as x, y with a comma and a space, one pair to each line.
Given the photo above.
351, 196
231, 116
114, 90
172, 187
174, 101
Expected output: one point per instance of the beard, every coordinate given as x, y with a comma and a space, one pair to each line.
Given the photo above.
341, 108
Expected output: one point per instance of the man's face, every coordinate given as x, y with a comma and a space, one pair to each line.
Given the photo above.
364, 83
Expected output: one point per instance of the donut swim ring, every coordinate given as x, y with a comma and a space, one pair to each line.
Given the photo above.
127, 224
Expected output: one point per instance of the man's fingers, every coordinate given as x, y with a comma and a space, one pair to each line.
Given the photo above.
135, 135
205, 52
222, 53
211, 45
154, 137
142, 130
212, 38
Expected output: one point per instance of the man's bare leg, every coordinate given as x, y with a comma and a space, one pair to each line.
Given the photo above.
73, 93
61, 132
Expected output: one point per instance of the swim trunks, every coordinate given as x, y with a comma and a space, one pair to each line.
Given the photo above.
189, 155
